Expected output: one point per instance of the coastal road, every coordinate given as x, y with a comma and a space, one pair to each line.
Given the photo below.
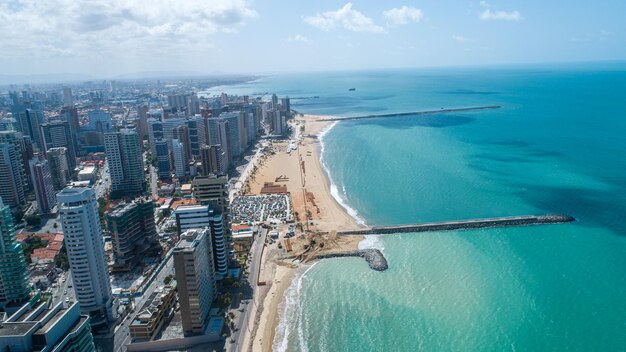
243, 321
245, 173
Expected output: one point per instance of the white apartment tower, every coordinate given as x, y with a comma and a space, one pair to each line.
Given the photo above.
78, 210
180, 160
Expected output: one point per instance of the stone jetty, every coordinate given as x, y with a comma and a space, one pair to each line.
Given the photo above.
509, 221
374, 257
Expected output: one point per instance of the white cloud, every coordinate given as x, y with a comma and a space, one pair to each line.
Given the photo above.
298, 38
88, 28
489, 15
403, 15
485, 4
459, 38
350, 19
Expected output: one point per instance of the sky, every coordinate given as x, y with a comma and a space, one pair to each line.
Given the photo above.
117, 37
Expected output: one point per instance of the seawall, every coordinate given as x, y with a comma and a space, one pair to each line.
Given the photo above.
465, 224
374, 257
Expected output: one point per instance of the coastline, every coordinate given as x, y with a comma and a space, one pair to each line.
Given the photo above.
306, 178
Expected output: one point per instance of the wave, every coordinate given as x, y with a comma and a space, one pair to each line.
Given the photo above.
372, 241
334, 191
290, 313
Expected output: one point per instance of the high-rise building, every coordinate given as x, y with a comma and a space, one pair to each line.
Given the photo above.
274, 101
193, 106
39, 326
78, 210
163, 129
224, 130
8, 124
195, 278
24, 148
164, 169
243, 132
100, 121
59, 170
212, 190
133, 233
71, 116
178, 102
212, 160
200, 217
181, 134
28, 122
59, 134
42, 182
14, 283
142, 125
11, 176
68, 101
180, 161
125, 161
285, 107
197, 135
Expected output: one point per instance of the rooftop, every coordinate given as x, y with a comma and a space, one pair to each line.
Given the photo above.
16, 329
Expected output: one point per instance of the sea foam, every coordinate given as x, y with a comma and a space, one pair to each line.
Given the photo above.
290, 313
340, 197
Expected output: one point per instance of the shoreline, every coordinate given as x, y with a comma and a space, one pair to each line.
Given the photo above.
323, 215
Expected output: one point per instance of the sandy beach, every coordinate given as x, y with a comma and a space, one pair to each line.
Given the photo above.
315, 208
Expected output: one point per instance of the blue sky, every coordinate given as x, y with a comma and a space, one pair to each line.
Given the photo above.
124, 36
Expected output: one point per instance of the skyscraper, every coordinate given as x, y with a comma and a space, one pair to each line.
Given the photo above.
142, 124
68, 101
181, 133
201, 217
100, 121
125, 160
14, 283
195, 277
78, 210
24, 148
42, 182
178, 102
59, 170
180, 160
58, 134
285, 107
133, 233
213, 160
11, 176
162, 155
28, 122
197, 134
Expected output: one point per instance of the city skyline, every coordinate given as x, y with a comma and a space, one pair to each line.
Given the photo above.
132, 38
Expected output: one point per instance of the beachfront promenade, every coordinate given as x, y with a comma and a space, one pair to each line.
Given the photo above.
425, 112
507, 221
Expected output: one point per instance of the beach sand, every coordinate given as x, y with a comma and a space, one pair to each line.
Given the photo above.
301, 171
269, 319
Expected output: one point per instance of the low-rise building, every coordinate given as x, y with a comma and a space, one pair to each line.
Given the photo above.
88, 173
156, 311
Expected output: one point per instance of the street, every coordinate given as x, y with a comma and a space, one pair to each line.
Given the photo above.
243, 321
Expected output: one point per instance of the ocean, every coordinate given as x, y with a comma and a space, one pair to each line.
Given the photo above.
557, 145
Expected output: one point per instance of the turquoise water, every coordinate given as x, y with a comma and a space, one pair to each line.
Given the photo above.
558, 145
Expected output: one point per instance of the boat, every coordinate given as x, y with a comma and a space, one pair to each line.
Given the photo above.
352, 89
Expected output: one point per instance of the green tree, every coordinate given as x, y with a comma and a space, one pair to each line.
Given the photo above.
33, 220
